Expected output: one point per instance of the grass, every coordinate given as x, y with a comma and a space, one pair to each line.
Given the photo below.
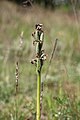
61, 97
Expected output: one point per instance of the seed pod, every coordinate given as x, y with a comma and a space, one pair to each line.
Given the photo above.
33, 61
42, 36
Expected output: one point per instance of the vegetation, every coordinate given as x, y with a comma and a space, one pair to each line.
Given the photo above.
48, 3
61, 95
38, 36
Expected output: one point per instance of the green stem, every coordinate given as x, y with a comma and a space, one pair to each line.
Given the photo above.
38, 89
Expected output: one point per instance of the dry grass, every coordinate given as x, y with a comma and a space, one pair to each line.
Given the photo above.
64, 73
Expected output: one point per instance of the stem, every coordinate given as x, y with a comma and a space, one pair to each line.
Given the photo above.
39, 37
38, 89
17, 108
16, 99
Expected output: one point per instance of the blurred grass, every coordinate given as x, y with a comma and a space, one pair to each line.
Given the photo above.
61, 88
